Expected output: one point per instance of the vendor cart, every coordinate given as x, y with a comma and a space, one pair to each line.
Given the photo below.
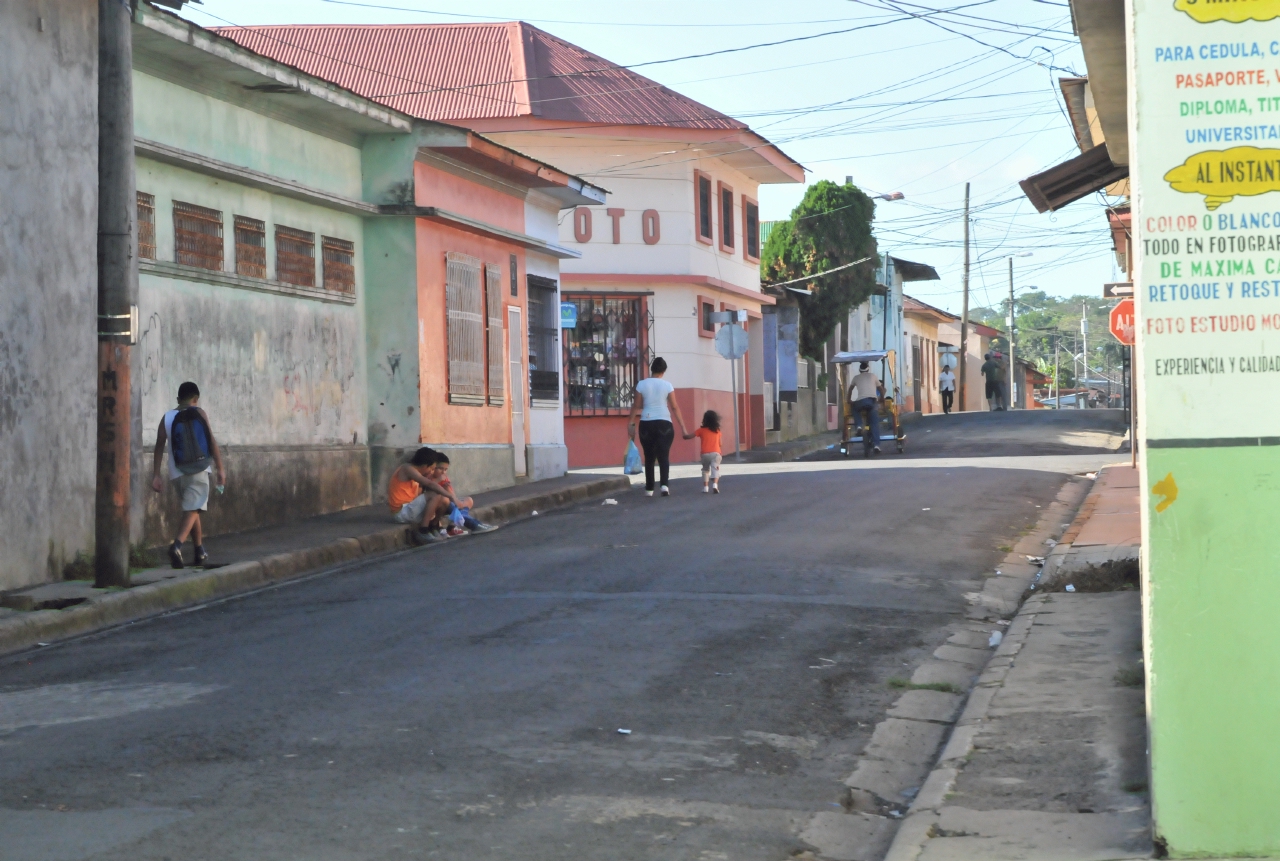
853, 429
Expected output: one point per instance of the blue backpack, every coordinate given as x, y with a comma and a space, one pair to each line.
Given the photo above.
189, 435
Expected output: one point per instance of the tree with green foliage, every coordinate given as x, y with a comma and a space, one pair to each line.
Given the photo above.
829, 228
1043, 320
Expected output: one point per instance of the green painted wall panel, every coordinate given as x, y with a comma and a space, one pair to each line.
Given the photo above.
1213, 649
391, 309
215, 128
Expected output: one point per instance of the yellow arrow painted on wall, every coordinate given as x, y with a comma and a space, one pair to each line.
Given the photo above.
1168, 488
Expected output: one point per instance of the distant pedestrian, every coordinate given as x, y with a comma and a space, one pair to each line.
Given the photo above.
994, 373
416, 499
947, 385
864, 395
655, 401
193, 454
709, 436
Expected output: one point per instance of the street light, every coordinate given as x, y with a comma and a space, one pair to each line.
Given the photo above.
892, 195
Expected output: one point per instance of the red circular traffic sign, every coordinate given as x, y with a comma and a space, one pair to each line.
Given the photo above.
1122, 321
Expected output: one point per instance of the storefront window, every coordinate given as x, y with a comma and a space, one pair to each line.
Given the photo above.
603, 355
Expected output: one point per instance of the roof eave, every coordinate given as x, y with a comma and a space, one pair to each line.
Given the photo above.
273, 73
475, 150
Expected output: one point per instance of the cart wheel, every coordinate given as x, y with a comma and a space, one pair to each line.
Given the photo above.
901, 446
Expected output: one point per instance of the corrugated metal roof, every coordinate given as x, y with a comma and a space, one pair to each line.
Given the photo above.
452, 72
477, 71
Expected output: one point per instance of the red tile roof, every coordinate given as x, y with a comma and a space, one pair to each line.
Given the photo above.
477, 71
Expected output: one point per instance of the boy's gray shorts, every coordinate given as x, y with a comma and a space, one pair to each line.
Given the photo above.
194, 491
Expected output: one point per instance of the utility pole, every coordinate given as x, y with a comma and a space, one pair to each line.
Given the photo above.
117, 291
1084, 349
1057, 385
964, 313
1013, 367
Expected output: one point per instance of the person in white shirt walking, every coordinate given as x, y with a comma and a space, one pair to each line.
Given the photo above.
864, 394
655, 401
947, 385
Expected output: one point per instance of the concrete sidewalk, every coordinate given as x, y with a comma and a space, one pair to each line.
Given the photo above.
248, 560
1048, 759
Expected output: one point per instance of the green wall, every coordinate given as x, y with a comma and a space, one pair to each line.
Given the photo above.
218, 129
1213, 649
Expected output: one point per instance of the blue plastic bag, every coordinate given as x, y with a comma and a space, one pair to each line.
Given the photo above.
632, 464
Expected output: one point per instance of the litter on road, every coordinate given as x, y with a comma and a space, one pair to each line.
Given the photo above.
995, 638
1070, 588
609, 501
624, 732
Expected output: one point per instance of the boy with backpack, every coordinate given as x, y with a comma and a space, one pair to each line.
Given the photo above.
193, 453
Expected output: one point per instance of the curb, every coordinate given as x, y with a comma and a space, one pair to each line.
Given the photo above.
923, 815
42, 627
790, 450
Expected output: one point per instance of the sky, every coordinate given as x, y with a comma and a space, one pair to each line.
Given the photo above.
900, 96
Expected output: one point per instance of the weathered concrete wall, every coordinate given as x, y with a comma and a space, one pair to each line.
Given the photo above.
282, 380
48, 284
282, 376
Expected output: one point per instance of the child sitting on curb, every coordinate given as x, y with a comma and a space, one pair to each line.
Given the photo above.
416, 498
462, 507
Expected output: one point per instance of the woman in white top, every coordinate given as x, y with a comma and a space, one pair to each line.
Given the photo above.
947, 385
655, 401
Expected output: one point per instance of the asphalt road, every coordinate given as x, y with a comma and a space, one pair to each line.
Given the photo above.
465, 701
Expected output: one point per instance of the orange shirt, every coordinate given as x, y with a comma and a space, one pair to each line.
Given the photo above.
710, 440
401, 493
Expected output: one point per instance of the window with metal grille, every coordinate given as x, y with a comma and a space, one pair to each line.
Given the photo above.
197, 235
603, 355
339, 264
295, 256
251, 247
465, 324
544, 339
493, 311
146, 226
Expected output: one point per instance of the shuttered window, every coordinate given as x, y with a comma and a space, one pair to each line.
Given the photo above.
493, 309
295, 257
197, 236
251, 247
146, 226
751, 229
339, 264
465, 322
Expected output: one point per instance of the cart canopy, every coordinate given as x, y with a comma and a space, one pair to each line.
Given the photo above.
859, 356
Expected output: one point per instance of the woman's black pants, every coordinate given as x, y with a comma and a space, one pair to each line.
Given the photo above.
656, 438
